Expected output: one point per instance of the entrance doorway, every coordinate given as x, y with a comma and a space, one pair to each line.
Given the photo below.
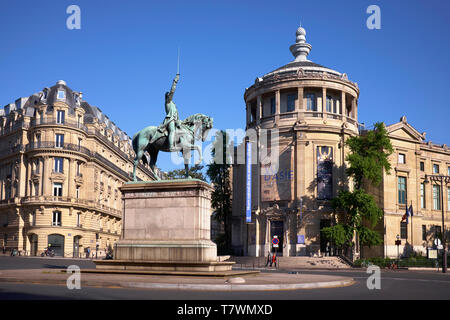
277, 229
34, 244
76, 246
323, 239
56, 243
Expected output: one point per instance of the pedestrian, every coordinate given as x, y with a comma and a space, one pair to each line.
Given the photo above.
269, 259
88, 252
274, 260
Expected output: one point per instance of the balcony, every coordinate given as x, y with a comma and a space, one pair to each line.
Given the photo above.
54, 121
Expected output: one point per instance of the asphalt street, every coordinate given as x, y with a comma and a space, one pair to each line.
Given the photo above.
398, 284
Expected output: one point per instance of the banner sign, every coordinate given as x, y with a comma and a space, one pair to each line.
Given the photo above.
324, 172
248, 213
278, 185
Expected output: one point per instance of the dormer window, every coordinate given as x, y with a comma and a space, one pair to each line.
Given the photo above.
61, 95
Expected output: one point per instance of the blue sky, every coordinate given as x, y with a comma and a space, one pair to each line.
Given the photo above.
124, 57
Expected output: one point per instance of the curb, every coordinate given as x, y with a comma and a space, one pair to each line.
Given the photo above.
189, 286
242, 287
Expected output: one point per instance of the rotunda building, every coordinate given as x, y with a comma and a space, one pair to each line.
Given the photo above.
308, 111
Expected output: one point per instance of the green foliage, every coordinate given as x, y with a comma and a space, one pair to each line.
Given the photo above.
340, 234
219, 175
368, 157
195, 172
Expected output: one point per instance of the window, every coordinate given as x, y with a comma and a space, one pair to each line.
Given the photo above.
78, 219
435, 168
448, 198
422, 196
56, 221
61, 95
77, 192
79, 122
424, 232
60, 116
448, 171
291, 102
329, 103
273, 106
57, 189
59, 140
401, 158
78, 169
401, 190
33, 219
422, 166
58, 165
436, 197
403, 230
311, 102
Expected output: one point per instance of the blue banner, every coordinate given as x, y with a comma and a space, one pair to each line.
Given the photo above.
248, 213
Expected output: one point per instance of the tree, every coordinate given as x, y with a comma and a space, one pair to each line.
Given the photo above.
195, 172
368, 157
219, 175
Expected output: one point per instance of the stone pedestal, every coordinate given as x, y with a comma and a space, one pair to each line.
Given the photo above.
166, 226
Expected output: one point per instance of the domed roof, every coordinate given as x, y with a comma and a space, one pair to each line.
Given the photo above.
300, 50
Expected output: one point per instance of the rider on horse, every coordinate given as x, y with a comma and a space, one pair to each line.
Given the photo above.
171, 121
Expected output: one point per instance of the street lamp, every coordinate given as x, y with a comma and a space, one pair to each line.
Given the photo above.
398, 248
443, 180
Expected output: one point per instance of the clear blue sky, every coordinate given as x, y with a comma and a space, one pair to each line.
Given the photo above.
124, 57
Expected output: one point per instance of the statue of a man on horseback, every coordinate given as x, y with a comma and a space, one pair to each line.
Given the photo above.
172, 135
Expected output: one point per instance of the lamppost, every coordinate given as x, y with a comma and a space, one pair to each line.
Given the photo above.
397, 243
443, 180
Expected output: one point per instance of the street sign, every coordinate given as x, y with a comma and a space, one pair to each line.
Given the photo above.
398, 242
275, 241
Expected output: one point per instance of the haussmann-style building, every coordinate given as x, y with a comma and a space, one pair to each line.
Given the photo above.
314, 110
62, 162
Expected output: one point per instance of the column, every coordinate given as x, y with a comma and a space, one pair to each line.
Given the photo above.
300, 108
70, 182
343, 103
354, 109
258, 109
46, 188
324, 103
277, 106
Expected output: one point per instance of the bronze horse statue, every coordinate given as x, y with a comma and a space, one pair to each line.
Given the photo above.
154, 139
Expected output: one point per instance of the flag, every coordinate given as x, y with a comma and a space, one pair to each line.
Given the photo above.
408, 213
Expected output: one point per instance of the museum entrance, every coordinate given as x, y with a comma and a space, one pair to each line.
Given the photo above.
277, 229
325, 243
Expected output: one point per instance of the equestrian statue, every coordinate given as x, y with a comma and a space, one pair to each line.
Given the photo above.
173, 135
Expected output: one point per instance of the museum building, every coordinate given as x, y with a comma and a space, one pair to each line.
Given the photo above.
62, 162
314, 109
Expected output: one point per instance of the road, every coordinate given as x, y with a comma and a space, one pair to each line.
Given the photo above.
399, 284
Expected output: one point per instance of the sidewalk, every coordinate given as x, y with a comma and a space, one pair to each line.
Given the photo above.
257, 282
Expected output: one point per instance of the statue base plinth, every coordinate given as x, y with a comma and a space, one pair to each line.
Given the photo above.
166, 226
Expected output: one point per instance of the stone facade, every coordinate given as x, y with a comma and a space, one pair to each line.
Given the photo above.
413, 158
314, 110
62, 162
